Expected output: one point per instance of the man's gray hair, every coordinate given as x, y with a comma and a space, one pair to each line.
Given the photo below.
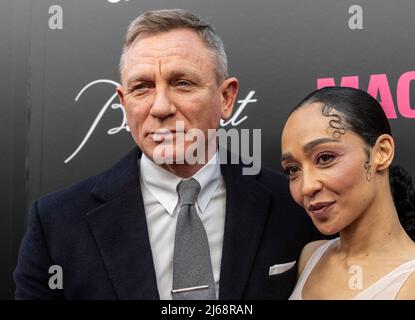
165, 20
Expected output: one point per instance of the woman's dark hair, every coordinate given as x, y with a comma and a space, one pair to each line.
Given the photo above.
363, 115
404, 197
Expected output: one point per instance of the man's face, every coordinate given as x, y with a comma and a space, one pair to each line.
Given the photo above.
169, 77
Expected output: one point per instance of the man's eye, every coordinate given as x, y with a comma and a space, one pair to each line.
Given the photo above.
142, 86
325, 158
182, 83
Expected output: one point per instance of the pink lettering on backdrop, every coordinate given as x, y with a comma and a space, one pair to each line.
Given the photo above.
350, 82
403, 94
379, 85
379, 88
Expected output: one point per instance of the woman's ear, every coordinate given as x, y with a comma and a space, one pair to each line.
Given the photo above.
384, 152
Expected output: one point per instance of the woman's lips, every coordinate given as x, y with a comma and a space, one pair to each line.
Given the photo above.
320, 209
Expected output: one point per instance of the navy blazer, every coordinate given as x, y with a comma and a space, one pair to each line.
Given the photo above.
96, 231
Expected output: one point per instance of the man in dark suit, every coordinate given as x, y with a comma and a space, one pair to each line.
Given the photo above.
158, 225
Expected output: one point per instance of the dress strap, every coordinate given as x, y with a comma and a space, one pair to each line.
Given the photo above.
311, 263
387, 287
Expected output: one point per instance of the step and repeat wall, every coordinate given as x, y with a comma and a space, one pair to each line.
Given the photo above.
63, 121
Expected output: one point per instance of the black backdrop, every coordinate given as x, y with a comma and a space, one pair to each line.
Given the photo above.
277, 49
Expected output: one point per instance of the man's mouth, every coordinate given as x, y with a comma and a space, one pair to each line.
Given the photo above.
161, 135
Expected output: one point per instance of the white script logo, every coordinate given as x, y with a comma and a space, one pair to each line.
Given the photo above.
112, 103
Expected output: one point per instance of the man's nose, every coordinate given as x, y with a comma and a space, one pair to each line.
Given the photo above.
162, 106
311, 183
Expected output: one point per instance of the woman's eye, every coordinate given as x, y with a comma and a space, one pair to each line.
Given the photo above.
291, 170
325, 158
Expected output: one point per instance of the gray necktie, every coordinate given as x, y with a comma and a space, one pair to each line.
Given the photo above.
192, 268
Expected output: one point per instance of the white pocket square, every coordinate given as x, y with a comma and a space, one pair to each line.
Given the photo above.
280, 268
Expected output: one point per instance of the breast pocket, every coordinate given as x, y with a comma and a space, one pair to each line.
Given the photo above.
281, 281
281, 268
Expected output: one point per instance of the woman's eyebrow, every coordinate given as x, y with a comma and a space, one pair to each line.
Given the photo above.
286, 156
310, 145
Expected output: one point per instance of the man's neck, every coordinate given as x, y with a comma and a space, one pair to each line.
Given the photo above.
185, 170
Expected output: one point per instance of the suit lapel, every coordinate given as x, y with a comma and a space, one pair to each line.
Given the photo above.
247, 206
120, 230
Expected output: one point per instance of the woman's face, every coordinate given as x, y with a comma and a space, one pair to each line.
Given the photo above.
327, 171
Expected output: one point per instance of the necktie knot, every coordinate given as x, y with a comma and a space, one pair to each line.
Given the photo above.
188, 191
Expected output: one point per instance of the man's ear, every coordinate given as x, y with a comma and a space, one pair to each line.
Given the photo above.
384, 152
120, 92
229, 91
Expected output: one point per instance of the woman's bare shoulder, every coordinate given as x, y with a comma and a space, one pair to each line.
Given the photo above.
407, 291
307, 252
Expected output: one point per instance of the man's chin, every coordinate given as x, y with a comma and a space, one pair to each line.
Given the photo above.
169, 159
177, 157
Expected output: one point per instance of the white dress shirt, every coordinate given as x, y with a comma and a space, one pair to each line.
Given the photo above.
161, 203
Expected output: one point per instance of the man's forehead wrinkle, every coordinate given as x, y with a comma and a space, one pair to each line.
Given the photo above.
144, 65
144, 58
174, 44
166, 54
148, 62
146, 71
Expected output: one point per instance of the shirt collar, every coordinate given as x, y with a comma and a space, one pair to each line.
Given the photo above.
162, 183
